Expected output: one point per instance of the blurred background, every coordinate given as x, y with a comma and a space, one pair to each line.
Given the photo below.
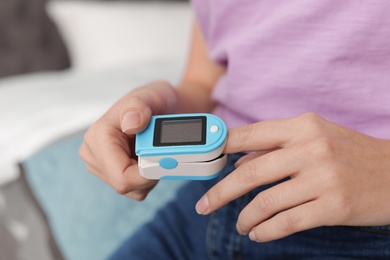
62, 64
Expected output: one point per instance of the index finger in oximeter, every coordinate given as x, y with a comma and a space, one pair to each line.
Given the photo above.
184, 146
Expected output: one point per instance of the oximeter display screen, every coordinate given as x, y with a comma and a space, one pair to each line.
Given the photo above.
180, 131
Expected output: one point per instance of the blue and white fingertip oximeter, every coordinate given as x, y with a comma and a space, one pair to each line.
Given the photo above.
182, 146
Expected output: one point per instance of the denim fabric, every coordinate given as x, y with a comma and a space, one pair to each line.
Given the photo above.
178, 232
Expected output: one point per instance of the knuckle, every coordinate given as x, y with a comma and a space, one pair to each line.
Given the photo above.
82, 152
311, 122
137, 196
242, 134
243, 225
121, 187
215, 195
248, 172
310, 117
121, 190
342, 203
323, 147
91, 169
136, 101
265, 202
291, 223
88, 136
94, 132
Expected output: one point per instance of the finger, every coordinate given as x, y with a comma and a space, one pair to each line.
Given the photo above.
128, 179
283, 196
136, 109
251, 156
95, 171
303, 217
265, 169
120, 169
140, 195
274, 133
128, 190
264, 135
136, 117
112, 156
87, 156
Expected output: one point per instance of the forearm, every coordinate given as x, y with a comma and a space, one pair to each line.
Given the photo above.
199, 79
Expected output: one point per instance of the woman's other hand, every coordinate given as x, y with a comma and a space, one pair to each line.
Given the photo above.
336, 176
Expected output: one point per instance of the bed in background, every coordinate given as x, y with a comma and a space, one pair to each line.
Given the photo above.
50, 207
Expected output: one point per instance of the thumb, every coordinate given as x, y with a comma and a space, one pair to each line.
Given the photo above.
134, 121
137, 108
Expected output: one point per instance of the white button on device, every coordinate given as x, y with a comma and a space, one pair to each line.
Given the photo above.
214, 129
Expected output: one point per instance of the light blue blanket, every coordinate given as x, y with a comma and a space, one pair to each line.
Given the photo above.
88, 219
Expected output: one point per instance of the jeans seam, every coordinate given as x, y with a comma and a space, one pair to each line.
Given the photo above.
211, 234
212, 227
373, 230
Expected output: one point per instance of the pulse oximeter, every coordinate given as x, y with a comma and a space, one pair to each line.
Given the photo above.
182, 146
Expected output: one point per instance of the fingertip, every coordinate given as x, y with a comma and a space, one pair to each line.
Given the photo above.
131, 121
252, 236
202, 206
239, 230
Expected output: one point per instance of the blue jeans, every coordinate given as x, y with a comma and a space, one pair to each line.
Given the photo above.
178, 232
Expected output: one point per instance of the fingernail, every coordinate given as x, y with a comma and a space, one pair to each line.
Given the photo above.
130, 120
202, 205
252, 236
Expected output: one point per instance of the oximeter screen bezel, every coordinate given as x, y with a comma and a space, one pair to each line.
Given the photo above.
159, 126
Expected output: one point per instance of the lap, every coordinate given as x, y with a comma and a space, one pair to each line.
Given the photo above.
178, 232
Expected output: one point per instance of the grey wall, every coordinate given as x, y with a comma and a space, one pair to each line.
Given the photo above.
29, 40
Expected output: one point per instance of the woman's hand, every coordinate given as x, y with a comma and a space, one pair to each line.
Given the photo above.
108, 147
337, 177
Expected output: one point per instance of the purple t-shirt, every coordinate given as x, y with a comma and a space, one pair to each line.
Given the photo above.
285, 58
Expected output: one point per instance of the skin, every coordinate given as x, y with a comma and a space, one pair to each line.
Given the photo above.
336, 176
108, 146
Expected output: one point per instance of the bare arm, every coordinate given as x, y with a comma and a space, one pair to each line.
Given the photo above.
199, 78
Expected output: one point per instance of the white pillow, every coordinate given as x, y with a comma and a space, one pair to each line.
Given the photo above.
101, 34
